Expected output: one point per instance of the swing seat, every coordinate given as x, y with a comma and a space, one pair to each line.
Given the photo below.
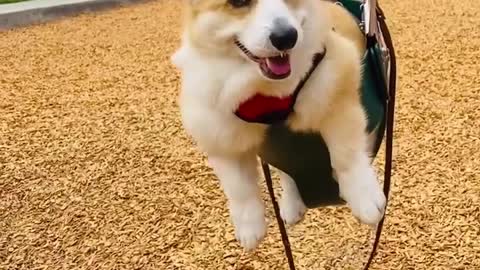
305, 156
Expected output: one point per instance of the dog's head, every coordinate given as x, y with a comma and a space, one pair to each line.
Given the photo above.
266, 33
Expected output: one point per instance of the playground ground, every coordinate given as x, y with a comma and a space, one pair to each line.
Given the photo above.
97, 173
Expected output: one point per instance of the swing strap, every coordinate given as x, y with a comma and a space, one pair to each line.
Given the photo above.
388, 154
276, 208
389, 127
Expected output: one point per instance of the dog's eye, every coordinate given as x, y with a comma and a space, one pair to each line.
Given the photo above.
239, 3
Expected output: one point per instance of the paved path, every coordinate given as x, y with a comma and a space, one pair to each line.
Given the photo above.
97, 173
39, 11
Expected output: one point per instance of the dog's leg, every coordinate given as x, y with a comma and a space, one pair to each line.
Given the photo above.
238, 177
344, 134
292, 208
360, 189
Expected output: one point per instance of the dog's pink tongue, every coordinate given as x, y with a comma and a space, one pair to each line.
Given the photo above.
279, 65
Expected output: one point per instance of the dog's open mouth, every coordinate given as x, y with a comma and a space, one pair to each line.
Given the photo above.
275, 67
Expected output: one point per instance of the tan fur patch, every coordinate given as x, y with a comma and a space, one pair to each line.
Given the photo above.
345, 24
293, 3
221, 6
227, 12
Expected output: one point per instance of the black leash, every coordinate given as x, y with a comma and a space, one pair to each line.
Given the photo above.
388, 152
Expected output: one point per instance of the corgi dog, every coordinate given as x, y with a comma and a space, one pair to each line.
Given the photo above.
234, 50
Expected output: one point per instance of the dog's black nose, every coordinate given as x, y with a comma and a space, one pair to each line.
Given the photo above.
283, 36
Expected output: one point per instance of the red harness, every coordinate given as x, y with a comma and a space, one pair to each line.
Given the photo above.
265, 109
271, 110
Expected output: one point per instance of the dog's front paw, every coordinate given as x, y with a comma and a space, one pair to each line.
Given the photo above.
365, 198
250, 225
292, 209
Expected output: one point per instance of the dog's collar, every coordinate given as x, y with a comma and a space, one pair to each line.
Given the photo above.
270, 110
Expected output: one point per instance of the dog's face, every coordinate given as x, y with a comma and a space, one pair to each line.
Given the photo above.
265, 32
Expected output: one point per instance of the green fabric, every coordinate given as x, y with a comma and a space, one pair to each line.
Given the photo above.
305, 156
353, 6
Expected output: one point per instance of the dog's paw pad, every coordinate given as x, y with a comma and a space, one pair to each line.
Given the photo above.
249, 234
371, 211
250, 224
367, 203
292, 210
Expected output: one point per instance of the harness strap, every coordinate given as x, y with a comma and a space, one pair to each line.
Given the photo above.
248, 111
317, 58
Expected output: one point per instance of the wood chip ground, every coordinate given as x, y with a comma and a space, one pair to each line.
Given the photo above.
97, 173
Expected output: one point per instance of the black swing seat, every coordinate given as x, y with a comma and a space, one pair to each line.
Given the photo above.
305, 156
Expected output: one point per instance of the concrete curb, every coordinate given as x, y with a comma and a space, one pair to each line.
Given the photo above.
39, 11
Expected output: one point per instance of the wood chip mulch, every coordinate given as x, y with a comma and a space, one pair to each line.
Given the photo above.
97, 173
